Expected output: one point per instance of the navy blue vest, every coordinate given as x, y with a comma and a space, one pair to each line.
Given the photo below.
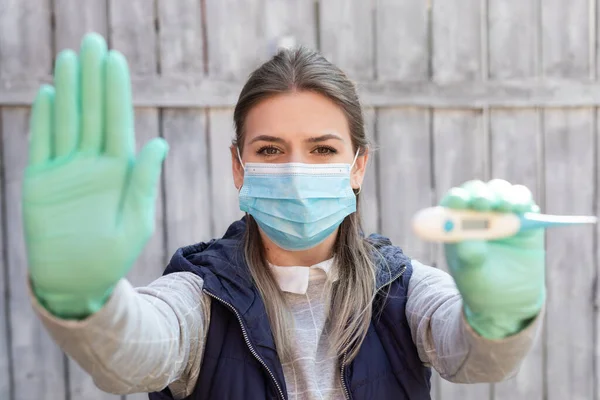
240, 360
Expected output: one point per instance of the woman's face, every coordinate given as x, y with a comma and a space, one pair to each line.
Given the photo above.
303, 127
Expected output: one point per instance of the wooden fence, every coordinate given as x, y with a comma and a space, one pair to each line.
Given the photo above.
454, 89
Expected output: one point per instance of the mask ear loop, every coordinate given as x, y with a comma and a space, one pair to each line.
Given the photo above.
240, 157
352, 166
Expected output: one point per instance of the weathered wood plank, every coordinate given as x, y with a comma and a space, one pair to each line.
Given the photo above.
516, 157
459, 155
38, 366
569, 165
25, 53
369, 201
232, 55
133, 32
5, 346
516, 145
346, 31
180, 37
456, 47
196, 91
346, 28
460, 146
405, 176
187, 188
569, 180
75, 18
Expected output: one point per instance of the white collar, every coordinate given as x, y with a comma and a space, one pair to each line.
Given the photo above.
295, 279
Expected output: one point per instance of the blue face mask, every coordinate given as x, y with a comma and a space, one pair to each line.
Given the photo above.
297, 205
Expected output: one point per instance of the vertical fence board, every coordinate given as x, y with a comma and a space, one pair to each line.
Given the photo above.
132, 32
25, 53
75, 18
569, 168
405, 155
5, 348
346, 31
233, 55
73, 21
515, 144
459, 142
569, 157
187, 189
38, 363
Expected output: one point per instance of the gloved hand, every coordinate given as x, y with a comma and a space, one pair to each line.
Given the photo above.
502, 282
88, 201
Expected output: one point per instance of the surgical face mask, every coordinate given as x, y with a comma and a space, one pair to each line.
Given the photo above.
297, 205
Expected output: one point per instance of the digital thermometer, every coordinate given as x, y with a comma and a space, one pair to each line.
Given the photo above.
441, 224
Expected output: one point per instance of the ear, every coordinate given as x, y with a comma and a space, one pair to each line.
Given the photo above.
236, 168
360, 167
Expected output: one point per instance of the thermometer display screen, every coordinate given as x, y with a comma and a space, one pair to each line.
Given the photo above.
475, 224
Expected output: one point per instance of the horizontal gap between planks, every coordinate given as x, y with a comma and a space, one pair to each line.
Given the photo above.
196, 91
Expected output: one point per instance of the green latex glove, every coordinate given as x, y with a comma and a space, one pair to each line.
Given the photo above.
502, 282
88, 200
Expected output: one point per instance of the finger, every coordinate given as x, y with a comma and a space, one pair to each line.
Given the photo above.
501, 189
456, 198
520, 199
481, 198
146, 172
93, 54
66, 103
471, 253
42, 113
120, 139
143, 188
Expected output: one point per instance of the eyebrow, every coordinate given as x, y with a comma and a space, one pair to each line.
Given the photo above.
315, 139
324, 138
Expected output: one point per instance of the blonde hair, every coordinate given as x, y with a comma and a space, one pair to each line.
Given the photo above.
352, 294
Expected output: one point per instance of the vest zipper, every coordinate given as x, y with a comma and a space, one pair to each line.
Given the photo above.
344, 386
254, 353
346, 392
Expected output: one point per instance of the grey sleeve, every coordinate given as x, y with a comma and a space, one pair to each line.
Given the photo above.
446, 341
143, 339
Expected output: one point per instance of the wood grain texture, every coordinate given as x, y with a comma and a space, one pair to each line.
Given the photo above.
70, 28
369, 198
5, 342
241, 36
456, 46
224, 195
346, 28
185, 91
459, 155
132, 30
186, 171
75, 18
516, 153
346, 31
187, 189
39, 368
180, 37
569, 181
405, 176
460, 143
569, 189
516, 156
25, 52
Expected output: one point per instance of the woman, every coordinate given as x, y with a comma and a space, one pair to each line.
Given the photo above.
293, 301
